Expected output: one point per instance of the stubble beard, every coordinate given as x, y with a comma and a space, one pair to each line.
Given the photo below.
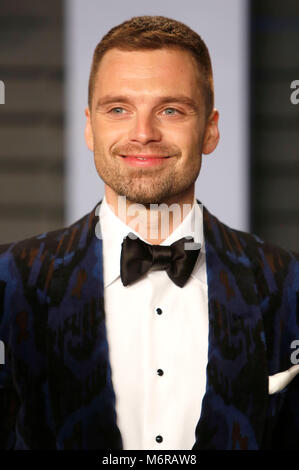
144, 185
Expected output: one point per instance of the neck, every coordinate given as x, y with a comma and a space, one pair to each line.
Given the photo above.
153, 222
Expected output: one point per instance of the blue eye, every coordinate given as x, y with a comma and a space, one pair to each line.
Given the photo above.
171, 109
118, 108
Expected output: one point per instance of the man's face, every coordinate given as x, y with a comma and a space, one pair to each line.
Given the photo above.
147, 126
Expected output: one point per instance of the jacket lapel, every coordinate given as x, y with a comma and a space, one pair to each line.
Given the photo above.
234, 405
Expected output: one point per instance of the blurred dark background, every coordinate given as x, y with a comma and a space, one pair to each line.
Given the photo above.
32, 120
274, 134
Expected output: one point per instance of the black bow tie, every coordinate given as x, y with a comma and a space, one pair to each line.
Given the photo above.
138, 257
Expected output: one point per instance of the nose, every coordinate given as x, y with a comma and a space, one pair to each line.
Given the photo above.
144, 128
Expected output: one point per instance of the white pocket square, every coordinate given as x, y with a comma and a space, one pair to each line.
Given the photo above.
278, 382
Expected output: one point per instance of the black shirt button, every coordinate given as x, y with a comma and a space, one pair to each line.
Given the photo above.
159, 311
159, 439
160, 372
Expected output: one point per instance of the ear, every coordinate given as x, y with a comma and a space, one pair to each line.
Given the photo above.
88, 133
212, 136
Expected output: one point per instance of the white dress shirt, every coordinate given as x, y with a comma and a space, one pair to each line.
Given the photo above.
158, 358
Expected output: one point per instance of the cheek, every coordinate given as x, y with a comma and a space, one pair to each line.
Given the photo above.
185, 136
106, 135
189, 145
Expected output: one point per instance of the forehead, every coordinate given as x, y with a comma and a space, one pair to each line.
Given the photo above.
166, 69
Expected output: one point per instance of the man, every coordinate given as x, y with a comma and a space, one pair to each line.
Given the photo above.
121, 335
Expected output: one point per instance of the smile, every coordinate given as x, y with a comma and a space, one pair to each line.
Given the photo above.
144, 160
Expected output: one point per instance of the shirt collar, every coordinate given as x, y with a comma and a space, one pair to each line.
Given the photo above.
113, 231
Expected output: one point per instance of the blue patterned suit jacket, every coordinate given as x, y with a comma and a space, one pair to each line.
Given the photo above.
56, 390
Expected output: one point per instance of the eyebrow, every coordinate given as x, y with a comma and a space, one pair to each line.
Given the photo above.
180, 99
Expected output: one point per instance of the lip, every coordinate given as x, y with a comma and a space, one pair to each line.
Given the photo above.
149, 160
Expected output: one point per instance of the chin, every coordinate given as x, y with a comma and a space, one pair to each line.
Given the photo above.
147, 199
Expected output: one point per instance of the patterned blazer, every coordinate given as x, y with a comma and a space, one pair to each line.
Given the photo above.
56, 390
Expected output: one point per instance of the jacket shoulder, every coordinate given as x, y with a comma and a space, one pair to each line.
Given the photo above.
55, 243
241, 244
